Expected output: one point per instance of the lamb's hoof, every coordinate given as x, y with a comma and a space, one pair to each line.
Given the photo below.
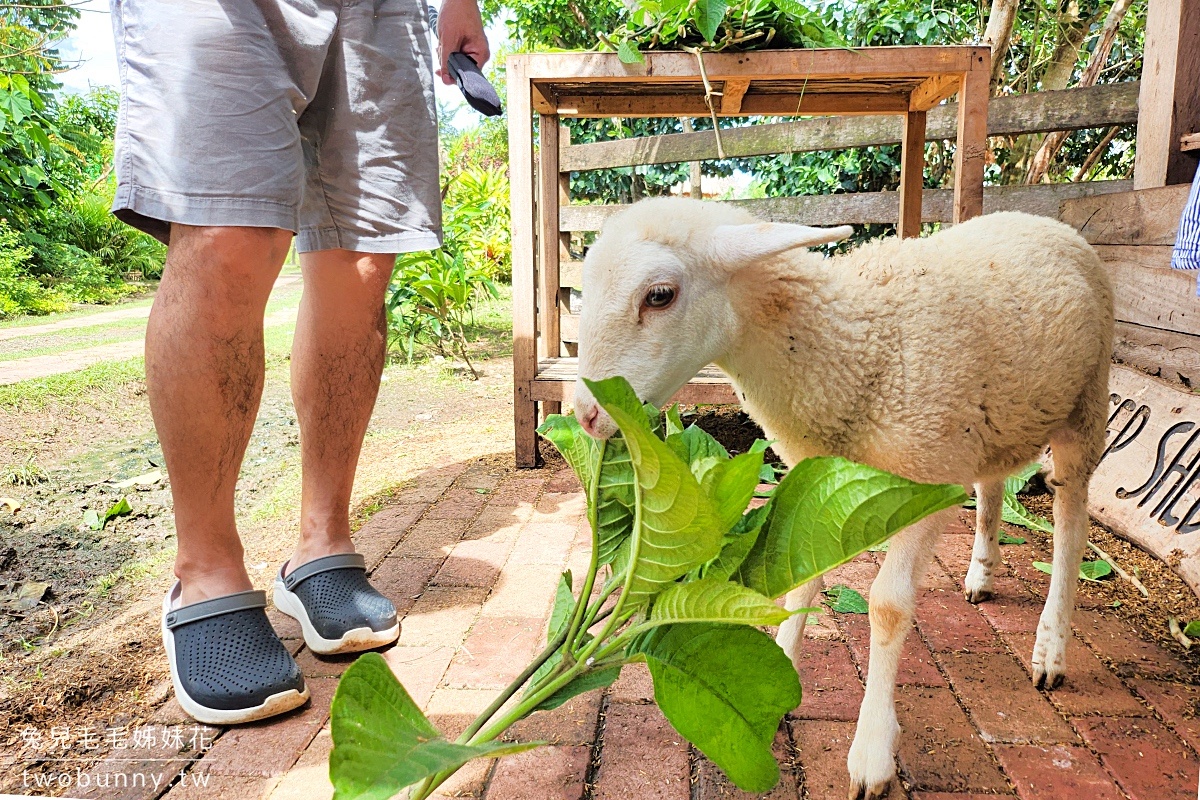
1047, 680
860, 791
977, 596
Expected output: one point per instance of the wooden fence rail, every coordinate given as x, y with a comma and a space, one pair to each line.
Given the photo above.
1065, 110
862, 208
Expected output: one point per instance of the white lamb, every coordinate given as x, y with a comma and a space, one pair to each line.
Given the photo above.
950, 359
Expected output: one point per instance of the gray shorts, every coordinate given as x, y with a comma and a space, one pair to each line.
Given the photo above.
316, 116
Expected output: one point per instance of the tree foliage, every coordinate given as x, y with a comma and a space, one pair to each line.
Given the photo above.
1049, 47
55, 160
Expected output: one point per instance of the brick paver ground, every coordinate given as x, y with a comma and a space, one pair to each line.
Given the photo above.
472, 559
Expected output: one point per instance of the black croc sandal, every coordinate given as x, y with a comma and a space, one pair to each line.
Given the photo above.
338, 609
227, 664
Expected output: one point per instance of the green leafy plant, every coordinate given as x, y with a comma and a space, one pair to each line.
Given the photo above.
96, 521
1093, 571
681, 577
718, 25
844, 600
1013, 511
431, 301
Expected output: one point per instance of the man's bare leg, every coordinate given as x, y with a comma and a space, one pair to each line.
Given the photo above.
337, 360
204, 374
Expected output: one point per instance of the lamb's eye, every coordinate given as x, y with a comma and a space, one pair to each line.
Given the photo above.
660, 296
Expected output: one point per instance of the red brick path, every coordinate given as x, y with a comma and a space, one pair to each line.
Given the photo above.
472, 558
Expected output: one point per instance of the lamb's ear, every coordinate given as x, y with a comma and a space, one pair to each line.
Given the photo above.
737, 245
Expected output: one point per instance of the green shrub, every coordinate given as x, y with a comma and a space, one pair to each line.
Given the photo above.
432, 300
476, 220
85, 222
20, 292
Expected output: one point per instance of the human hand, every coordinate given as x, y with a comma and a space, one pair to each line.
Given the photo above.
460, 30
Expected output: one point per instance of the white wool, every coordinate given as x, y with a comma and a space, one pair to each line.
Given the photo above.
951, 359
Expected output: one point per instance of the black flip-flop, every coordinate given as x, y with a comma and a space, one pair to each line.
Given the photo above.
339, 611
227, 664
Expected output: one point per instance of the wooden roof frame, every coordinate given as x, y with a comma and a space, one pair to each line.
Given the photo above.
905, 81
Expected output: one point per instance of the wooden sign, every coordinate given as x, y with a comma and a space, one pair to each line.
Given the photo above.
1147, 487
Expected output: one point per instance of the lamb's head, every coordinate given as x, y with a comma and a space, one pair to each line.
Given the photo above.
658, 302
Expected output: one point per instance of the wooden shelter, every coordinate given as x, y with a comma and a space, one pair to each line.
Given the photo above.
1147, 487
902, 81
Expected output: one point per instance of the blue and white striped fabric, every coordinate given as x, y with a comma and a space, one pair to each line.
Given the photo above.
1187, 242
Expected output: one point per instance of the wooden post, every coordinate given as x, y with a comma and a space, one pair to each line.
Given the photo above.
969, 155
549, 341
520, 165
912, 175
1169, 105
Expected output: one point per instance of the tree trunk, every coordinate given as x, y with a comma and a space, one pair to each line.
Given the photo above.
1091, 73
998, 35
1072, 29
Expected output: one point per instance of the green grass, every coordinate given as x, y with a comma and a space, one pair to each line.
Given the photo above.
132, 572
36, 393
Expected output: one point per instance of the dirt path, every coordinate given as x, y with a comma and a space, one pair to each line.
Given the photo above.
71, 359
24, 369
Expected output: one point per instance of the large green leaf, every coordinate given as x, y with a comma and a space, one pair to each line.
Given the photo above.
725, 689
845, 600
709, 14
730, 486
1014, 513
569, 438
828, 510
714, 600
695, 446
737, 544
1015, 483
614, 500
381, 740
675, 527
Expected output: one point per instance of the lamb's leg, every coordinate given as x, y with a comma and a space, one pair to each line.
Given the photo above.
791, 632
989, 498
1070, 538
893, 600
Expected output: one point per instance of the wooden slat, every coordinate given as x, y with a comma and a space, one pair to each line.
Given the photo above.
970, 155
1170, 355
548, 237
1069, 109
521, 175
731, 95
878, 207
556, 381
1148, 216
1170, 98
570, 274
912, 175
1189, 142
568, 325
933, 91
1150, 296
682, 105
800, 65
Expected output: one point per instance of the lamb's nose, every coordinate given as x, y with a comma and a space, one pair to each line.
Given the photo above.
588, 419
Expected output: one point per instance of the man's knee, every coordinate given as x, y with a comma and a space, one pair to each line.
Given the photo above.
229, 266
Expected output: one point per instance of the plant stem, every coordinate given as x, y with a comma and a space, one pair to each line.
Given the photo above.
512, 688
594, 613
1117, 568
